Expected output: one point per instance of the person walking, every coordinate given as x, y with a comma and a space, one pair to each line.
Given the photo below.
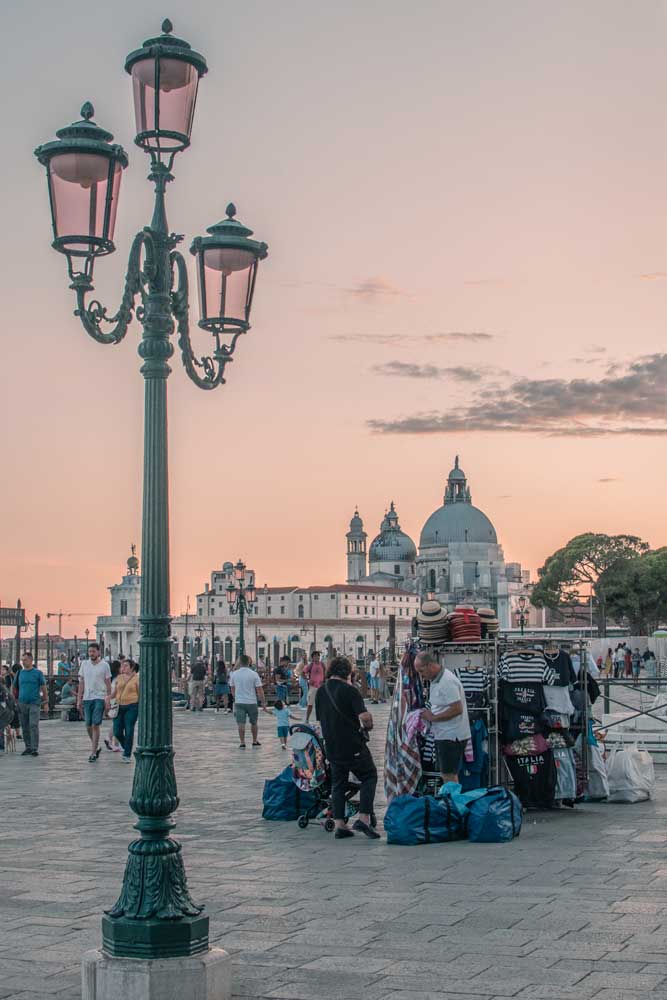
346, 723
248, 693
374, 675
619, 661
281, 679
127, 697
221, 686
302, 682
636, 666
93, 695
31, 693
198, 686
314, 674
111, 743
448, 714
609, 663
628, 662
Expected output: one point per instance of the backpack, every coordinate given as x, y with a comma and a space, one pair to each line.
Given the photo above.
494, 817
283, 800
426, 820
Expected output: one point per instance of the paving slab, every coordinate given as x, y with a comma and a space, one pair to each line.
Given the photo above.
574, 909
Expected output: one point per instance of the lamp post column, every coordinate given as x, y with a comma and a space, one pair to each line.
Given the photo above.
241, 634
154, 916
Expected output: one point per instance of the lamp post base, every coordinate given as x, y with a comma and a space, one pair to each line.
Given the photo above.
201, 977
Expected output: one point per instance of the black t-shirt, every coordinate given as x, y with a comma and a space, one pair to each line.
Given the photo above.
199, 672
338, 706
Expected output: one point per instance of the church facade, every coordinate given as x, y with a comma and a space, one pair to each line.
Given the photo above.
459, 560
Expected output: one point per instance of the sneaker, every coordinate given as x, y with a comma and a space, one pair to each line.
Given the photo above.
241, 746
92, 758
97, 753
35, 753
108, 746
283, 747
117, 749
367, 830
258, 744
26, 753
126, 760
342, 832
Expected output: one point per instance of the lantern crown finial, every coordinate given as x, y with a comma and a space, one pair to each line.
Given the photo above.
230, 211
167, 26
87, 111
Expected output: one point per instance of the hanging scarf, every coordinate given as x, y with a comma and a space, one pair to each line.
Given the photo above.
402, 764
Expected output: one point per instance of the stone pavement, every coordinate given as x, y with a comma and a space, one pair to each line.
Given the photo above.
576, 908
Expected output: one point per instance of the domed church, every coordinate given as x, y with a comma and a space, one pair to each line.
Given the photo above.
459, 557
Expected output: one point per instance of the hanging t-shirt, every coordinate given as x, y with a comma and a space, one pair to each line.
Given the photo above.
558, 699
534, 777
566, 776
518, 666
475, 684
562, 664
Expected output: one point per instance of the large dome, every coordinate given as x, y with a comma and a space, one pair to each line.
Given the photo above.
392, 544
457, 522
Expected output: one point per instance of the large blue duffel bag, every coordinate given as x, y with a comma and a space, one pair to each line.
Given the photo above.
494, 817
283, 800
410, 820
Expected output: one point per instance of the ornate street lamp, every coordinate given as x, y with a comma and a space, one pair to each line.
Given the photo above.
522, 616
241, 600
154, 916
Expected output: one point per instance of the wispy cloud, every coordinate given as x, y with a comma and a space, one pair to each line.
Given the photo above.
609, 479
631, 402
403, 369
653, 276
373, 288
454, 336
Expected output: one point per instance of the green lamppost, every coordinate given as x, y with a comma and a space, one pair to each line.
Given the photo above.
154, 916
241, 599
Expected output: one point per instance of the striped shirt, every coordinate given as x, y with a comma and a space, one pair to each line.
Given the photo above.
473, 681
525, 668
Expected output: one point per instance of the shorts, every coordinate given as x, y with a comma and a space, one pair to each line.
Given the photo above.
221, 689
283, 732
375, 683
243, 712
450, 754
311, 695
93, 711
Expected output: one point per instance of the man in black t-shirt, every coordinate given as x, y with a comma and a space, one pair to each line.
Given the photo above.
198, 686
341, 712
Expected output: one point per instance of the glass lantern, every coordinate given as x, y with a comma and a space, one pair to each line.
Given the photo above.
165, 75
227, 263
83, 169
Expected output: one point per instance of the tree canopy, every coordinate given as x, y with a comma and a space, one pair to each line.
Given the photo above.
586, 559
637, 591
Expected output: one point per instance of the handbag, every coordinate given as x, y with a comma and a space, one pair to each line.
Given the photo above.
113, 709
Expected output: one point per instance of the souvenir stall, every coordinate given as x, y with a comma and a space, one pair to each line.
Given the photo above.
528, 708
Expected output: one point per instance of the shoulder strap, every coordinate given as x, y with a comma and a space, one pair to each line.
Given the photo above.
333, 702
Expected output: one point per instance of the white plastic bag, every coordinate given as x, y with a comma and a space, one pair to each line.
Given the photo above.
631, 774
597, 788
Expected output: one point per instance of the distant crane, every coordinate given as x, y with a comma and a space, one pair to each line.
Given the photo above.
69, 614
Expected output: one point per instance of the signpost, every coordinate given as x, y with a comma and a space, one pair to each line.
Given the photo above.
13, 616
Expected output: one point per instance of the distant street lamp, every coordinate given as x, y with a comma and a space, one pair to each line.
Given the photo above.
87, 643
522, 616
241, 599
154, 916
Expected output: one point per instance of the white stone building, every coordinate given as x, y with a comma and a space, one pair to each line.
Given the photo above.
118, 632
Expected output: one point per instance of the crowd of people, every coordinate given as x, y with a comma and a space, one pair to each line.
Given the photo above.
623, 662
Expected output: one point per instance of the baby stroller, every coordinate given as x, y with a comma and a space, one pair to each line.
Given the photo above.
311, 773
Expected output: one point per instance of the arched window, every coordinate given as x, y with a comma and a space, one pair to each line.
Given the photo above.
228, 649
300, 611
431, 579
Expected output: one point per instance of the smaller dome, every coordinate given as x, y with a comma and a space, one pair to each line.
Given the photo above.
456, 473
356, 524
392, 544
228, 566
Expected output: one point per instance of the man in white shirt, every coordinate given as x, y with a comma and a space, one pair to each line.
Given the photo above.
374, 671
448, 714
248, 690
94, 694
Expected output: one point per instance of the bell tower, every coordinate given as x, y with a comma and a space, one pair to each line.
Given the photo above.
356, 550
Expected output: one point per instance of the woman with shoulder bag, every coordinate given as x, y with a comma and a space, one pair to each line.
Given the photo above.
127, 696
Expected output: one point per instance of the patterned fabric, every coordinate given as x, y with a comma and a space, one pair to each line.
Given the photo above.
526, 745
402, 763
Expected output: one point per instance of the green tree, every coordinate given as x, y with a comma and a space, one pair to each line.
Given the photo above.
584, 561
637, 591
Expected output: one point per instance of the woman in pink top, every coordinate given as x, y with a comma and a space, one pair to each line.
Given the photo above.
314, 674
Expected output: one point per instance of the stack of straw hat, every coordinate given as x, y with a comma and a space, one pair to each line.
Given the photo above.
465, 624
432, 623
490, 623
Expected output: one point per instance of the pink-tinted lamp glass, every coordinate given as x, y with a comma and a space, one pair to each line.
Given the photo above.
227, 274
79, 184
176, 105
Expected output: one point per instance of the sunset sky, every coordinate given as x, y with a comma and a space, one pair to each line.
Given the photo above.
466, 212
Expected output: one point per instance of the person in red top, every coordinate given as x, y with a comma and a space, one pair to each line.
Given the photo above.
314, 674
